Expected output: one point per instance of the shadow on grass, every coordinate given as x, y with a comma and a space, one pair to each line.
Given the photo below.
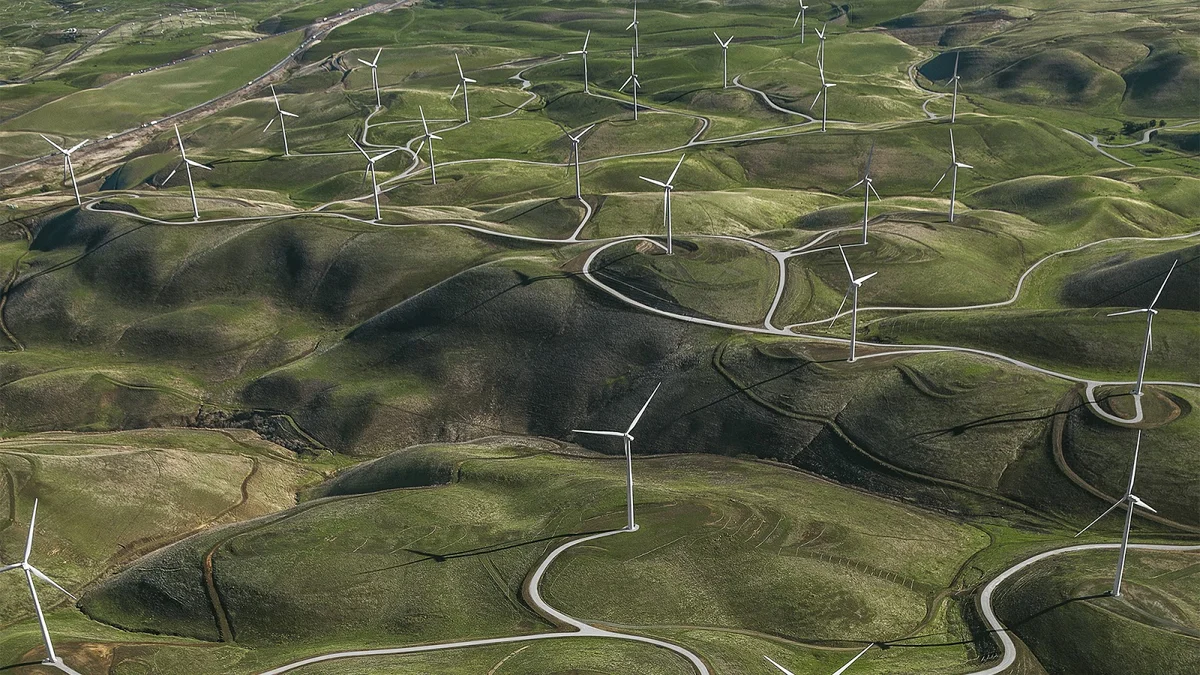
481, 550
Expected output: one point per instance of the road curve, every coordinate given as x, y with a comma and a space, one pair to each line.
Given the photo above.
582, 629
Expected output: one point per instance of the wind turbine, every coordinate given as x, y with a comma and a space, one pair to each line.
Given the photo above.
584, 52
954, 79
821, 33
429, 138
637, 49
869, 187
31, 572
374, 66
724, 58
187, 166
824, 91
463, 84
282, 127
800, 20
575, 151
66, 153
851, 290
839, 670
634, 79
371, 168
1147, 345
952, 171
1131, 500
628, 439
668, 188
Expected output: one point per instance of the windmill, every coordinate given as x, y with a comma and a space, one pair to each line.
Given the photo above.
668, 187
463, 84
633, 78
187, 166
584, 53
429, 138
283, 114
371, 169
724, 59
70, 168
851, 290
31, 572
575, 138
868, 188
952, 171
1148, 343
374, 66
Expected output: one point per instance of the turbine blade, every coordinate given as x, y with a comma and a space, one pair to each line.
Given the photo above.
939, 181
76, 147
651, 180
381, 156
818, 97
627, 81
170, 176
423, 123
198, 165
956, 55
56, 145
586, 38
275, 96
1164, 284
1128, 311
419, 148
577, 51
1137, 501
29, 539
456, 88
860, 280
873, 191
365, 63
377, 55
469, 80
459, 64
435, 137
43, 577
963, 166
643, 410
268, 127
358, 147
840, 307
631, 25
677, 165
794, 24
783, 670
849, 663
849, 271
853, 186
288, 114
870, 156
10, 567
1106, 512
598, 433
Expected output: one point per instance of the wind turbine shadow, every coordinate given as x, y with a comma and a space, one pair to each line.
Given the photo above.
480, 550
1028, 415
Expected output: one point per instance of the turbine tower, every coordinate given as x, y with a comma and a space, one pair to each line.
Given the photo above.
627, 437
634, 79
800, 20
575, 151
584, 53
869, 187
839, 671
66, 153
187, 166
724, 59
464, 80
668, 187
1147, 345
282, 127
31, 572
1131, 501
637, 49
824, 91
371, 169
952, 171
954, 79
374, 66
851, 290
429, 138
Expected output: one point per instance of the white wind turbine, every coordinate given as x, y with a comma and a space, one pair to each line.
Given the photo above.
584, 53
637, 49
800, 20
463, 84
429, 138
374, 66
668, 187
821, 33
851, 290
371, 169
1131, 501
575, 151
724, 59
627, 437
869, 187
1147, 345
187, 166
282, 127
839, 670
31, 572
824, 91
66, 153
952, 171
954, 79
634, 79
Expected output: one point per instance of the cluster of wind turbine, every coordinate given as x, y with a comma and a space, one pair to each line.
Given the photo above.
575, 139
668, 187
31, 572
463, 81
851, 291
70, 168
633, 78
429, 138
952, 171
839, 671
282, 115
724, 59
823, 92
187, 166
868, 188
1148, 343
627, 437
637, 48
371, 170
584, 53
1131, 501
800, 20
374, 66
